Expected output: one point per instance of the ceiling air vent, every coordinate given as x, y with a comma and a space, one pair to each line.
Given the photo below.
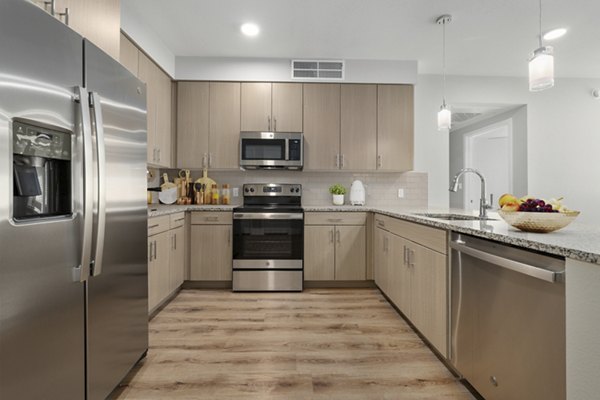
318, 69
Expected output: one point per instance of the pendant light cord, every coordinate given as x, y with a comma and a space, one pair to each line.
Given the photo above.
541, 45
444, 63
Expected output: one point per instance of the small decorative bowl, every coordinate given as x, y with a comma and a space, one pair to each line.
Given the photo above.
539, 222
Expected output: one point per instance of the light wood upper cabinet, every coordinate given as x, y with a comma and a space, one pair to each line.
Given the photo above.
256, 106
129, 55
358, 127
395, 127
321, 126
350, 253
271, 107
224, 129
319, 253
286, 112
192, 124
146, 72
99, 21
164, 136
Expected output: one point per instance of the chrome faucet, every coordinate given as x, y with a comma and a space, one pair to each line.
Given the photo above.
483, 204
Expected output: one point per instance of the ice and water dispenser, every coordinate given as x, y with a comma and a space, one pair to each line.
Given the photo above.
41, 172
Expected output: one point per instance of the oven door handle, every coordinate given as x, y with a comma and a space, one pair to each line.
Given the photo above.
268, 216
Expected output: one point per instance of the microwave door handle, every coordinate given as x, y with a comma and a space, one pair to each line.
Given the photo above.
96, 105
287, 149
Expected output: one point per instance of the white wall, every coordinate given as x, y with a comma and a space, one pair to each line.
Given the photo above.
563, 135
278, 69
147, 39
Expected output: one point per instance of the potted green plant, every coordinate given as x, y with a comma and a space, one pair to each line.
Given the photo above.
338, 192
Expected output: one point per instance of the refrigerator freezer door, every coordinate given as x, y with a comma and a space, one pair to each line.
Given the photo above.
117, 291
41, 303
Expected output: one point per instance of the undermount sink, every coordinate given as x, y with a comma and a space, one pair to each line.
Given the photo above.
456, 217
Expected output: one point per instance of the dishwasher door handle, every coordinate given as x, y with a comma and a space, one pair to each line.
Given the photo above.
517, 266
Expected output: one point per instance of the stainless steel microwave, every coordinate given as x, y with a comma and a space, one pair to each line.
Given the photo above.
271, 150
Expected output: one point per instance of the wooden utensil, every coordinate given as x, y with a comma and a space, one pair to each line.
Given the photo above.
167, 184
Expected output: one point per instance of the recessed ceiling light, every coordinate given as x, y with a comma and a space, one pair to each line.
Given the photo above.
554, 34
250, 29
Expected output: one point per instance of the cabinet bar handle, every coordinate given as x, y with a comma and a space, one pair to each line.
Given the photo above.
209, 160
50, 3
274, 124
334, 219
337, 161
153, 226
228, 232
65, 14
211, 219
155, 249
331, 236
175, 236
337, 233
378, 161
269, 122
343, 161
150, 252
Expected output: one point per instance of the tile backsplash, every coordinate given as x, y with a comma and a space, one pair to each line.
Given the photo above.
382, 187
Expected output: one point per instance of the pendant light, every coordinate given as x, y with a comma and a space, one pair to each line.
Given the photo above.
444, 117
541, 65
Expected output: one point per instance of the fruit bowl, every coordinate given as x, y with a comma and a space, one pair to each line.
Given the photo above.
538, 222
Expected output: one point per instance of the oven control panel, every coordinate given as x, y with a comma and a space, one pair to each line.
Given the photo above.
272, 189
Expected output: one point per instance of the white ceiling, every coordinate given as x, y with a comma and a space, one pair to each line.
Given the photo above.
486, 37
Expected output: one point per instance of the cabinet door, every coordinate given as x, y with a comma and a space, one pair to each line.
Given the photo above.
381, 259
321, 126
158, 270
429, 307
177, 261
287, 107
358, 127
146, 72
211, 253
224, 128
319, 256
97, 20
192, 124
256, 107
129, 55
400, 275
164, 135
395, 127
350, 253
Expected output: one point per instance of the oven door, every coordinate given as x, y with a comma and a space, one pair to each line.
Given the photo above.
266, 240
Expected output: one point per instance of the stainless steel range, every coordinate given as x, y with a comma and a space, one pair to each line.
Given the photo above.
268, 239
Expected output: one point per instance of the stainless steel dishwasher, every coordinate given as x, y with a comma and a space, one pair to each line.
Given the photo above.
507, 320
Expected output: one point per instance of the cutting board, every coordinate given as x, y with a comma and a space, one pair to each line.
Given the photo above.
205, 180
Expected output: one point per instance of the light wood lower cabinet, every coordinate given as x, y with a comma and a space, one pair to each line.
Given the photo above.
166, 257
413, 276
158, 269
177, 258
335, 247
319, 253
211, 253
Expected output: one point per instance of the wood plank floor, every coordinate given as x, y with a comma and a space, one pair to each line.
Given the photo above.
320, 344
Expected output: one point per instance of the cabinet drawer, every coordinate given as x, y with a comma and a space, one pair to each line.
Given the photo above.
432, 238
212, 218
158, 224
177, 220
335, 218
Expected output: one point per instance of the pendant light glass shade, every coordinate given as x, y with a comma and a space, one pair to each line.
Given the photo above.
444, 118
541, 69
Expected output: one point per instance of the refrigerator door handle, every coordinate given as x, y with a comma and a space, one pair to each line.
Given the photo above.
96, 106
83, 270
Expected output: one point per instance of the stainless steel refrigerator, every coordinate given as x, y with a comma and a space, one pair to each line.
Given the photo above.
73, 230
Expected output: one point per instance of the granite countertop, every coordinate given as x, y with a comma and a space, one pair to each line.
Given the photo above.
577, 241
